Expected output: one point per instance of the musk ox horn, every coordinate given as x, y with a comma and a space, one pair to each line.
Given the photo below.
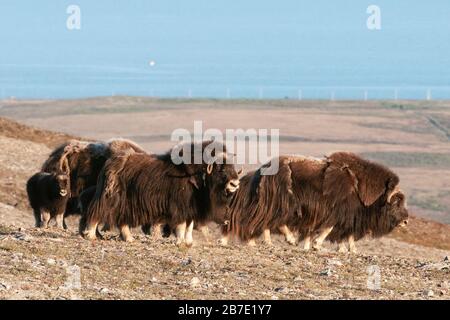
394, 191
209, 168
241, 170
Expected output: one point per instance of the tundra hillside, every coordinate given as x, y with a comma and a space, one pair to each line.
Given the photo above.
45, 264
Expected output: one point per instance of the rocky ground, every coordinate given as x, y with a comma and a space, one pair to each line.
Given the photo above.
55, 264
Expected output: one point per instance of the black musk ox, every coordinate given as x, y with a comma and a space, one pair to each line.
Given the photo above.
48, 194
342, 197
82, 162
139, 189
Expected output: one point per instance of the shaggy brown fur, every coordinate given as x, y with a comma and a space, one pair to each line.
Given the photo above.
262, 202
48, 192
342, 191
140, 189
83, 161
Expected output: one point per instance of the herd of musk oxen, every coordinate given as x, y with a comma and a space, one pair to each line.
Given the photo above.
116, 184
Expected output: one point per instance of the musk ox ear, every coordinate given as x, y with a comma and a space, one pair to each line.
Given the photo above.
339, 182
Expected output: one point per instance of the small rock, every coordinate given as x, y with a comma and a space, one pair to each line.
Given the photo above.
51, 261
4, 286
274, 298
154, 280
334, 262
104, 290
297, 279
446, 258
327, 272
195, 281
428, 293
186, 262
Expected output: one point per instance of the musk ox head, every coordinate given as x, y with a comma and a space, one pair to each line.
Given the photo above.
62, 185
397, 211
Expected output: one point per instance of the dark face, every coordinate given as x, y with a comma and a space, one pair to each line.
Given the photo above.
224, 179
397, 212
63, 184
223, 182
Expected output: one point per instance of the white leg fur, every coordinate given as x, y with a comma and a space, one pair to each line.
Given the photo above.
251, 243
45, 218
180, 232
267, 238
60, 220
126, 233
189, 239
307, 243
317, 245
351, 244
288, 236
90, 232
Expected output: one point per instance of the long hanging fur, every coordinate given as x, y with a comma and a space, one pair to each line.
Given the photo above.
140, 189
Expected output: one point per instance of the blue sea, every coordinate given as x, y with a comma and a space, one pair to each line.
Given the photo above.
225, 49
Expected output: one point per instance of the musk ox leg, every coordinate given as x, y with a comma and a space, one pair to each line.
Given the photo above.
288, 236
126, 233
267, 238
180, 231
351, 244
90, 233
342, 248
251, 243
37, 217
59, 218
317, 245
45, 218
307, 243
189, 239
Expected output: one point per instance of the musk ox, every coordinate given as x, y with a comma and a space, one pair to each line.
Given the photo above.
82, 161
48, 194
139, 189
342, 197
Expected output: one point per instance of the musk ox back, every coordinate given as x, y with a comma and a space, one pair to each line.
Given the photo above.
142, 189
48, 194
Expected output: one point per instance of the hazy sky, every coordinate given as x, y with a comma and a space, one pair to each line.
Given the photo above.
251, 42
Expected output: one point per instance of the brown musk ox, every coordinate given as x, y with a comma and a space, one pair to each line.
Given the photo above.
139, 189
82, 161
342, 197
48, 194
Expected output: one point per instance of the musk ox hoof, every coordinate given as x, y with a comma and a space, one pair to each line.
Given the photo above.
251, 243
268, 243
128, 239
189, 244
291, 241
353, 251
89, 236
317, 248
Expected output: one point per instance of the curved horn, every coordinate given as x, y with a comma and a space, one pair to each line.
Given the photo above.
394, 191
209, 168
241, 170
